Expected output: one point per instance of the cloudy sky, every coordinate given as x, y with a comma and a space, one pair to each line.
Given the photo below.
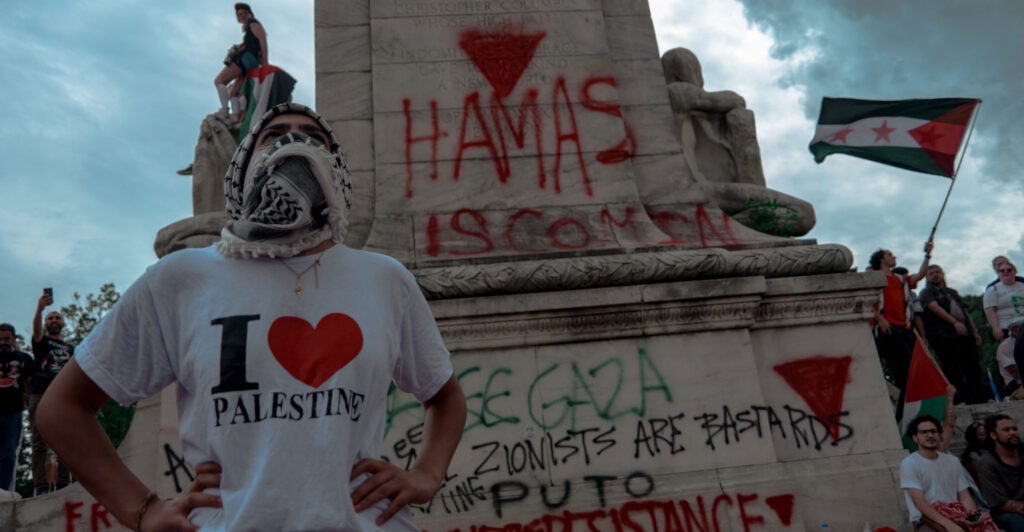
104, 99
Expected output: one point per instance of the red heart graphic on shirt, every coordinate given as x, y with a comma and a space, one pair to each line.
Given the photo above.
310, 354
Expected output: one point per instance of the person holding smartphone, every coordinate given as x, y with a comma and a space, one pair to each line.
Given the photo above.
51, 354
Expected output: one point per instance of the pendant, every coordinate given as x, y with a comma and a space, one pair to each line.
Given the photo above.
298, 287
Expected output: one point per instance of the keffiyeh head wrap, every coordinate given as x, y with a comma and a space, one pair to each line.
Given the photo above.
286, 196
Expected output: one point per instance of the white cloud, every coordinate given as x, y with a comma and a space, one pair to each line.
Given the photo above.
795, 52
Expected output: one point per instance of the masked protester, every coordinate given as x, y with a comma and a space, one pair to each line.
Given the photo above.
283, 343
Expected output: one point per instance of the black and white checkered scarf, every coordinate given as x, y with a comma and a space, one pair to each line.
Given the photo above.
287, 196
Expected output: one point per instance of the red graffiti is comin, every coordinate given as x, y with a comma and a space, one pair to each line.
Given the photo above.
478, 235
676, 223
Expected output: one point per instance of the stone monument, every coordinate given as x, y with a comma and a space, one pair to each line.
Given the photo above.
633, 356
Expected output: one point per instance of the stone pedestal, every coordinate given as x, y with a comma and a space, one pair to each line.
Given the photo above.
733, 401
633, 358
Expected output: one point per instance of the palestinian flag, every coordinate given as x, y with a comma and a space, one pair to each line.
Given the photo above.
919, 135
925, 393
265, 86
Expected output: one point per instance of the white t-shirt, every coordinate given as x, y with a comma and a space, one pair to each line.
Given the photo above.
1008, 300
285, 393
941, 479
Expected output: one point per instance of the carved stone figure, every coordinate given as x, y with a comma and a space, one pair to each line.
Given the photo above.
720, 147
217, 142
218, 139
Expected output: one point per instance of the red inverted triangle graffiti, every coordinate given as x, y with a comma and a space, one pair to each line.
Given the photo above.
501, 56
821, 381
783, 506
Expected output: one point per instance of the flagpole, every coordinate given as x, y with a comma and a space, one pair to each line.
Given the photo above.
956, 171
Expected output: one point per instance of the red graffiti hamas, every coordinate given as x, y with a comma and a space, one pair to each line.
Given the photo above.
502, 56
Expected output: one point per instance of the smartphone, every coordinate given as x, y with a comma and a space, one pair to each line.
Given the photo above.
48, 291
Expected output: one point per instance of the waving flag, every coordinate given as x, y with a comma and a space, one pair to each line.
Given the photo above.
265, 86
919, 135
925, 393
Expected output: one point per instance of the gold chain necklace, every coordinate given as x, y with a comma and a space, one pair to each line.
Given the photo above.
298, 275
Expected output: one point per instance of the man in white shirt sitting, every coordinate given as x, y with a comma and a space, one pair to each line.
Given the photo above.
929, 477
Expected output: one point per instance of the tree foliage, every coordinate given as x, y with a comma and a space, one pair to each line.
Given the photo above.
80, 316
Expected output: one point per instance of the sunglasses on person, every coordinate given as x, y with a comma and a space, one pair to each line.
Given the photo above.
1005, 270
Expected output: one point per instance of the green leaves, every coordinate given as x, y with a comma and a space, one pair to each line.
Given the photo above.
80, 316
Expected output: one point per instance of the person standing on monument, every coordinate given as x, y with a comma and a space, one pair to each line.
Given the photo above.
915, 308
15, 371
242, 58
52, 354
997, 262
284, 343
893, 320
952, 335
1003, 301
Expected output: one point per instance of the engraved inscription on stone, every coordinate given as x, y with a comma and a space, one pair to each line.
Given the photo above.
418, 8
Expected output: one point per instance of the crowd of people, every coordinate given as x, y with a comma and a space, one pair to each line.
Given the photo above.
984, 489
938, 317
24, 378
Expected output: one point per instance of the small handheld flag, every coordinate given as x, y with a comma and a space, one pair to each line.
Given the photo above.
925, 392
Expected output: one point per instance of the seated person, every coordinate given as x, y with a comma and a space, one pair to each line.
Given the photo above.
936, 486
251, 53
977, 440
1000, 476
